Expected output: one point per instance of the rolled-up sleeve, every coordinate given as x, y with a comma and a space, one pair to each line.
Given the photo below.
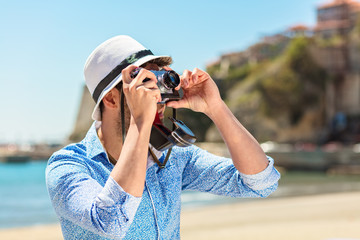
263, 179
105, 210
264, 182
114, 198
206, 172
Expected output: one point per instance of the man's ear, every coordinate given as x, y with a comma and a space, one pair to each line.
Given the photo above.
112, 99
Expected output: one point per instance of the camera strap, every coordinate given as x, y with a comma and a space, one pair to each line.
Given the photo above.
161, 165
122, 109
123, 132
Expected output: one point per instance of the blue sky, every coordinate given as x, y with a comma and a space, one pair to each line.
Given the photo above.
44, 45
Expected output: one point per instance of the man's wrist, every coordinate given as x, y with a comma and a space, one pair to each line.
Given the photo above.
141, 124
216, 110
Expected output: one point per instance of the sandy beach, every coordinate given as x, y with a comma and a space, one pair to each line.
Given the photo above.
320, 217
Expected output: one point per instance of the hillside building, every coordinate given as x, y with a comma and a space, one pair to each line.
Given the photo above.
336, 18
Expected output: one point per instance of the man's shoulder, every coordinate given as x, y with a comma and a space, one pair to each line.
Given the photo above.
184, 153
182, 150
195, 152
71, 151
186, 150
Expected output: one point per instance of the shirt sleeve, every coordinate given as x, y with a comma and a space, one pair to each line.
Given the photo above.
105, 210
206, 172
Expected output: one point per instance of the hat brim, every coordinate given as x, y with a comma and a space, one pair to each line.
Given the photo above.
163, 61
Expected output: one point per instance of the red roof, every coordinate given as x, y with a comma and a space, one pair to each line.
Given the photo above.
338, 3
298, 27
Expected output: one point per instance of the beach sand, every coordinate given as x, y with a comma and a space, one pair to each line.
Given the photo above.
319, 217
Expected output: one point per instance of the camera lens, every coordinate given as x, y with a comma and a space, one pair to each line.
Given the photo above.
170, 79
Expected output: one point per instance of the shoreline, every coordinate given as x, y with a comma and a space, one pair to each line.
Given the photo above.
316, 217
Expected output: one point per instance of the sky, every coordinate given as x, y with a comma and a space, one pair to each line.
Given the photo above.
44, 46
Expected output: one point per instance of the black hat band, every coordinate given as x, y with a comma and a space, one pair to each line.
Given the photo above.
117, 70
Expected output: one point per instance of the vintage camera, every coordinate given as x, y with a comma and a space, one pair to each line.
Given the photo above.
167, 81
161, 137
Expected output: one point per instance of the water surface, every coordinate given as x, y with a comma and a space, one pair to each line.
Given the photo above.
24, 199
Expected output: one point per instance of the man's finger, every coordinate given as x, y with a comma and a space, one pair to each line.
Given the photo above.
185, 78
199, 76
150, 84
157, 95
144, 75
153, 92
125, 74
178, 104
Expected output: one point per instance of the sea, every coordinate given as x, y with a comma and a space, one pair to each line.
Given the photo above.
24, 199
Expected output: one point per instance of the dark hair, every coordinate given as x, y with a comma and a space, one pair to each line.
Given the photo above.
119, 88
161, 62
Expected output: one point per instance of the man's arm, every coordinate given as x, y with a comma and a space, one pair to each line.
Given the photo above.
130, 170
141, 97
76, 196
202, 95
246, 153
206, 172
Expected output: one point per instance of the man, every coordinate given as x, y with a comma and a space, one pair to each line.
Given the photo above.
105, 188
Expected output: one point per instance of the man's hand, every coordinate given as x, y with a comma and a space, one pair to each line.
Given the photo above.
200, 92
142, 97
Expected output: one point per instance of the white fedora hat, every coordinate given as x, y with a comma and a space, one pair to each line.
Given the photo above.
104, 65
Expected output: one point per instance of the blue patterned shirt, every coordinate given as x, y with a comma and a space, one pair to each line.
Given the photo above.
91, 205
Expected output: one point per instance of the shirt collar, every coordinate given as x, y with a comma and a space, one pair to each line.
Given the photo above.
92, 141
95, 148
